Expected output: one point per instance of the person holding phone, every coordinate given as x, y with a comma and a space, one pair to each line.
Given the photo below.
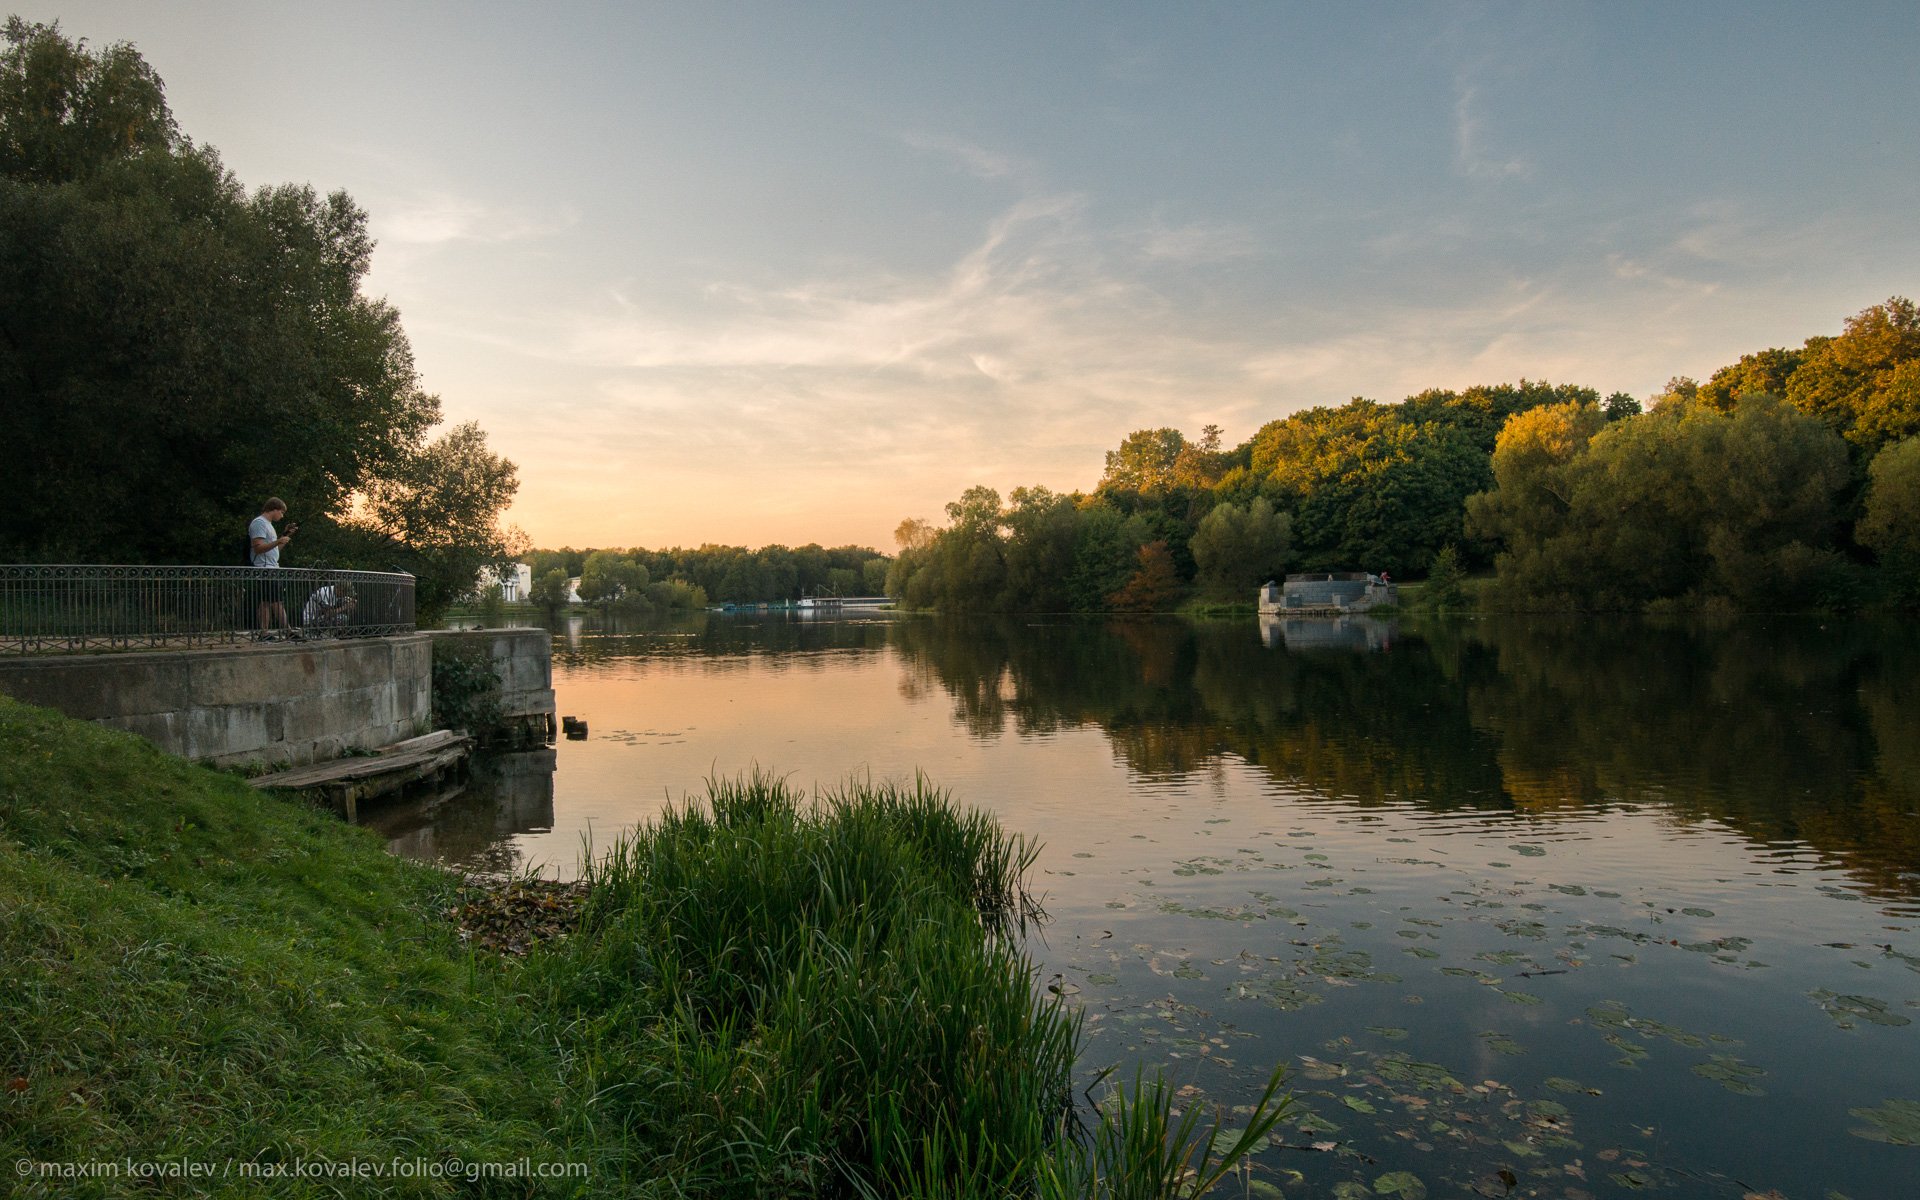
266, 553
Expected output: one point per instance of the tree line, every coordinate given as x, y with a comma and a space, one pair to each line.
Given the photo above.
174, 348
1790, 479
680, 578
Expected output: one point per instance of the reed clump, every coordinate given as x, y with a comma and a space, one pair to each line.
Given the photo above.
826, 998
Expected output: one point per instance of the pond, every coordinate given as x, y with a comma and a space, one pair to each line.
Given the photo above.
1563, 908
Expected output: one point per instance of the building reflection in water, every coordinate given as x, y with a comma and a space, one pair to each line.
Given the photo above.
1325, 633
472, 828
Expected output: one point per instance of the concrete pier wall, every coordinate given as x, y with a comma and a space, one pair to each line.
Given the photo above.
522, 659
276, 705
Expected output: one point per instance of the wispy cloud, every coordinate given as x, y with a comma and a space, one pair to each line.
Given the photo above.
437, 218
977, 160
1472, 155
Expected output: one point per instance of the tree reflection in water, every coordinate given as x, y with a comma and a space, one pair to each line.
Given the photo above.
1786, 731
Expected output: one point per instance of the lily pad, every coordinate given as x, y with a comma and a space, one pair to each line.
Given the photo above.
1528, 851
1731, 1074
1404, 1184
1571, 1087
1848, 1011
1896, 1122
1500, 1043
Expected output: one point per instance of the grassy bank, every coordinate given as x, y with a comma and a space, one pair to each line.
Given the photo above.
763, 997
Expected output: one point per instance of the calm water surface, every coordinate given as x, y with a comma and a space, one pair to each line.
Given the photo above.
1565, 909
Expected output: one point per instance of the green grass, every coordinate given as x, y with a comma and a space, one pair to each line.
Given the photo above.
767, 996
193, 970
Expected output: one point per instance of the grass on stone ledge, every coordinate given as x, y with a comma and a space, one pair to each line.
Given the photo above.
765, 997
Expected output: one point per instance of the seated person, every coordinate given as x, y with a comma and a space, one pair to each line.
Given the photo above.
329, 606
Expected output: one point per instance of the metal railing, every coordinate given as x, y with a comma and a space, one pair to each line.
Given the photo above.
54, 608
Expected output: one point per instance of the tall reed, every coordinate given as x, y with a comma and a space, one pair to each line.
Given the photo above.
825, 999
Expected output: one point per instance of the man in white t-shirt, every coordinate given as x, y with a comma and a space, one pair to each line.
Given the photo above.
266, 553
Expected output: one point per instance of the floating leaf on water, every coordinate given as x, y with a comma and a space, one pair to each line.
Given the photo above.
1525, 929
1500, 1043
1896, 1122
1632, 1179
1404, 1184
1731, 1074
1847, 1011
1392, 1033
1103, 979
1560, 1083
1316, 857
1522, 998
1421, 952
1569, 889
1697, 912
1528, 851
1347, 1189
1357, 1104
1501, 958
1397, 1068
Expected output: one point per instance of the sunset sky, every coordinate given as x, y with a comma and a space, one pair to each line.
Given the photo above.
757, 273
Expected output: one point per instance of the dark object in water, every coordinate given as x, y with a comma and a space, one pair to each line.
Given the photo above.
574, 727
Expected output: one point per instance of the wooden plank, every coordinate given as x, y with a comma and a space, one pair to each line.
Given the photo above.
400, 758
430, 741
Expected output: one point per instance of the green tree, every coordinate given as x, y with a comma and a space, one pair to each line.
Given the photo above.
1533, 490
1865, 383
1145, 462
436, 514
1041, 531
173, 349
549, 590
1766, 372
1891, 524
1238, 547
1684, 504
1620, 406
610, 577
66, 111
1103, 557
1445, 590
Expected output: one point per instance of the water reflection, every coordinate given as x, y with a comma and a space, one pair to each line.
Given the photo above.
1300, 634
475, 825
1787, 731
1794, 733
